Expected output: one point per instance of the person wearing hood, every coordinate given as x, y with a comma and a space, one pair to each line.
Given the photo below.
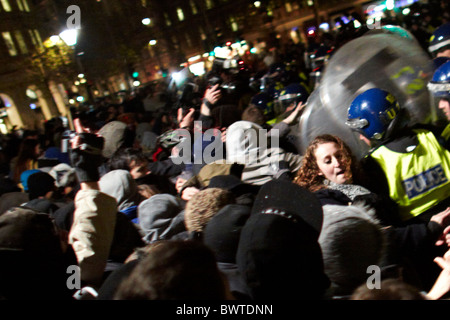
120, 185
247, 144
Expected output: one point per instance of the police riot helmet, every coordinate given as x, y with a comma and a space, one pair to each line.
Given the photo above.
439, 61
439, 85
292, 93
264, 102
374, 114
440, 38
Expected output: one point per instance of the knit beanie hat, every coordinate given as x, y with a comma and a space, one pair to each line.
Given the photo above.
203, 206
351, 240
278, 255
223, 231
39, 184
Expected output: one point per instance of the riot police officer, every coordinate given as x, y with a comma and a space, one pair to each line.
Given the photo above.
406, 163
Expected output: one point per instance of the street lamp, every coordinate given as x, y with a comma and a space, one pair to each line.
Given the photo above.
70, 37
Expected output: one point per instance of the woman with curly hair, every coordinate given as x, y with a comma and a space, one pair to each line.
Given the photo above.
330, 170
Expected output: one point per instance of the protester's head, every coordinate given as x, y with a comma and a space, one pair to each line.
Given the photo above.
390, 289
175, 270
326, 158
203, 206
253, 114
40, 184
130, 159
223, 231
117, 135
278, 254
33, 262
120, 185
351, 240
24, 178
29, 150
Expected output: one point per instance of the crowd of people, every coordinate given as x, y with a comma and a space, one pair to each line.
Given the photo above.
260, 221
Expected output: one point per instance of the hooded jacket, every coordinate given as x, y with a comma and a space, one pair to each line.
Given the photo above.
120, 185
249, 144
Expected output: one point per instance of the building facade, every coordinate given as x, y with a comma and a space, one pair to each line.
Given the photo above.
122, 44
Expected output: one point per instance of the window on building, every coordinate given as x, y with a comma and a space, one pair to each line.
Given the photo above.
188, 40
9, 43
38, 38
22, 45
25, 5
193, 7
6, 6
202, 33
19, 4
234, 25
180, 14
167, 19
33, 38
288, 7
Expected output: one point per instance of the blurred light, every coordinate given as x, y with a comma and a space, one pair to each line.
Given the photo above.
152, 42
356, 24
197, 69
77, 83
136, 83
253, 50
146, 21
390, 4
194, 58
257, 4
135, 74
176, 76
370, 21
83, 80
345, 19
81, 75
80, 98
69, 36
71, 101
205, 55
32, 106
54, 39
31, 94
212, 53
228, 43
406, 11
324, 26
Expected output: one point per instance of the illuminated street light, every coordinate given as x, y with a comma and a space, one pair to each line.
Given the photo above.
257, 4
81, 75
146, 21
54, 39
152, 42
69, 36
390, 4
